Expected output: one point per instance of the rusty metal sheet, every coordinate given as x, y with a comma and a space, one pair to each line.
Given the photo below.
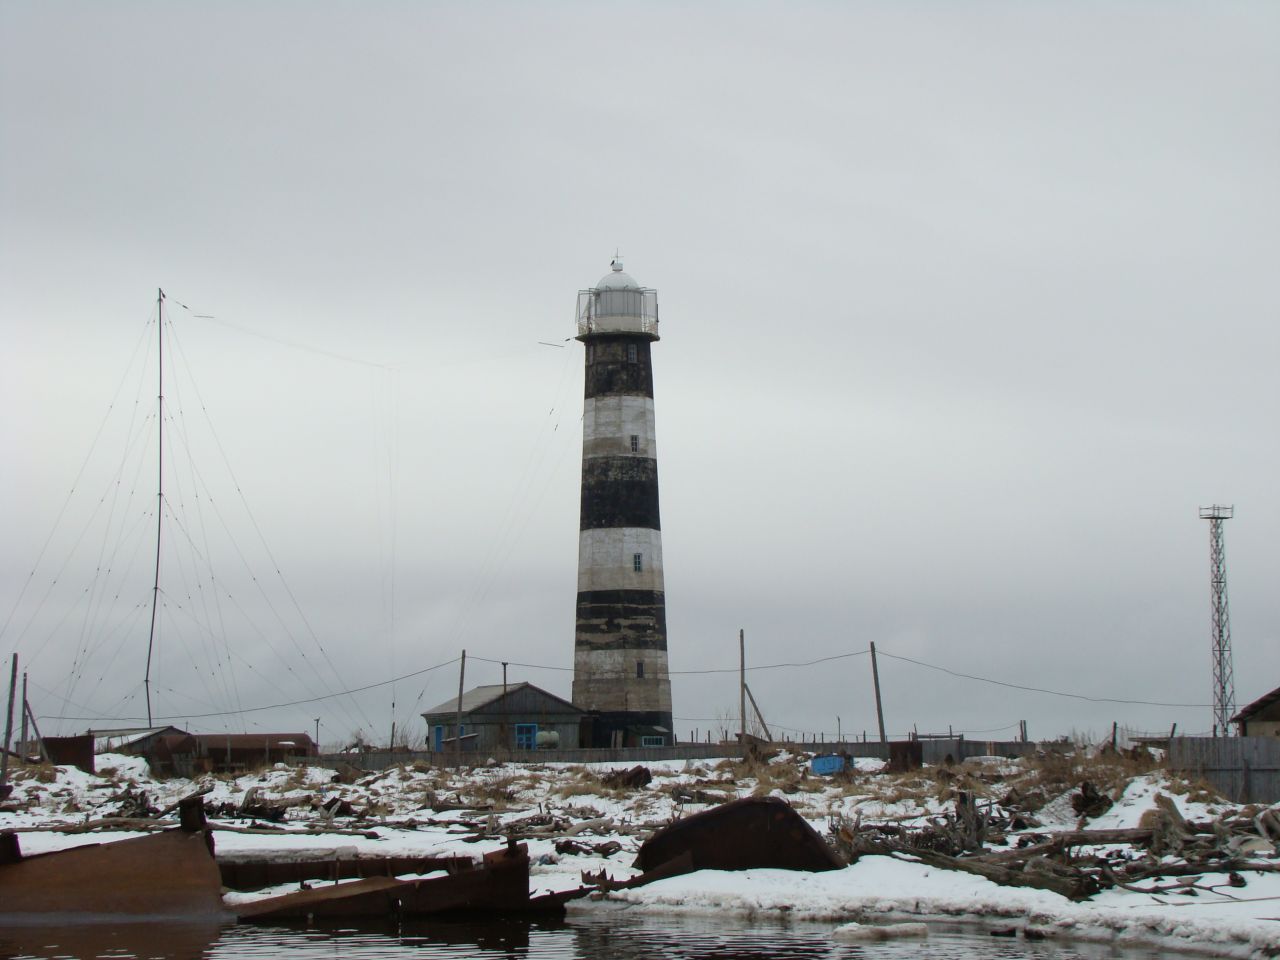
71, 751
741, 835
170, 874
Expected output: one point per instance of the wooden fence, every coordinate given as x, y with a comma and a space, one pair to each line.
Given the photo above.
935, 751
1243, 769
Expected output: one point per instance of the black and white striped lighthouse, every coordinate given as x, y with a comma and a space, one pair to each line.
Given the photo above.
620, 648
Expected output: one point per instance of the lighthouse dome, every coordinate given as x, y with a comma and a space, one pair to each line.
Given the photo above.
615, 279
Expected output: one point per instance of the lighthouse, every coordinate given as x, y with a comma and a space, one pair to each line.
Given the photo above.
620, 644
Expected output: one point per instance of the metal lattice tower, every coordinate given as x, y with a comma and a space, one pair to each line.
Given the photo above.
1224, 684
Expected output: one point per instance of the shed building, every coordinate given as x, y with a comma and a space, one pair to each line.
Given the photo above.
517, 716
169, 751
1260, 718
173, 752
234, 752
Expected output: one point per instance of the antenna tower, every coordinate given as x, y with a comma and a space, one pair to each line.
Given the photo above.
1224, 684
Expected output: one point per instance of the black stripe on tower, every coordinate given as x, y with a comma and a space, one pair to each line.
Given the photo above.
622, 620
620, 492
619, 366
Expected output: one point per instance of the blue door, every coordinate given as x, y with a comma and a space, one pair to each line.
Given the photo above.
439, 738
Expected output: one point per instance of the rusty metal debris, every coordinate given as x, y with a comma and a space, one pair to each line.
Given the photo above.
497, 886
248, 874
173, 874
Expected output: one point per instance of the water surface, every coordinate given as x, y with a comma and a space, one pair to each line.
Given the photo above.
607, 935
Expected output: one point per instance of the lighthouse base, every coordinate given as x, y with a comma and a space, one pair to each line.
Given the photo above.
620, 729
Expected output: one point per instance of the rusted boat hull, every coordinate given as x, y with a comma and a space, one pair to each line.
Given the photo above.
169, 875
740, 835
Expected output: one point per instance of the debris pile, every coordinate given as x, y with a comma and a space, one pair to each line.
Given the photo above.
1077, 863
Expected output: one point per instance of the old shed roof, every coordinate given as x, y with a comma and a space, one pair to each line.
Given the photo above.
1255, 708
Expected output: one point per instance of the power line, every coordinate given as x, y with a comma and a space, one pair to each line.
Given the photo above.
274, 706
1055, 693
709, 670
714, 670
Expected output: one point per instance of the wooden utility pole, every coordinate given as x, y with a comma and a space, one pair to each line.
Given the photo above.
759, 716
505, 708
44, 752
875, 678
742, 686
8, 723
457, 724
22, 740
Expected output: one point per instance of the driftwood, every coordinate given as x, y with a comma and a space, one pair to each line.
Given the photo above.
173, 807
1075, 886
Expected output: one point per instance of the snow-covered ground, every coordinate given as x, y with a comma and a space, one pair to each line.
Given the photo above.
415, 810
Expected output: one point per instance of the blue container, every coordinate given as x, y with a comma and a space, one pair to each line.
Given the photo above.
828, 765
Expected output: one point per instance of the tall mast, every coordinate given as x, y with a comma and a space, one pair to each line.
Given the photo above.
1224, 683
155, 590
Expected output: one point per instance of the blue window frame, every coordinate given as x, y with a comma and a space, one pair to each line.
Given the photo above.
439, 737
652, 741
526, 736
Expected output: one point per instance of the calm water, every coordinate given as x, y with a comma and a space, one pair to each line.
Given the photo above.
592, 937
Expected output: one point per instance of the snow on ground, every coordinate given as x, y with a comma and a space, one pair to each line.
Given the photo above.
885, 888
416, 810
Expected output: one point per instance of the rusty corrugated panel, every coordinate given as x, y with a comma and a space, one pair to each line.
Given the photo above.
741, 835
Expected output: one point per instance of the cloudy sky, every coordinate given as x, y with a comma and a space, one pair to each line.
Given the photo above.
966, 308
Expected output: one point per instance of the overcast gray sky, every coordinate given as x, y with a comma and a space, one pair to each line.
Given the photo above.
966, 308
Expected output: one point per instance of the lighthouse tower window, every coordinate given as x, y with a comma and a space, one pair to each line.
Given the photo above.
635, 443
639, 669
632, 353
637, 562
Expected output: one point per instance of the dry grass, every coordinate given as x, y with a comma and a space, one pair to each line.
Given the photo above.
501, 791
582, 782
1198, 790
40, 773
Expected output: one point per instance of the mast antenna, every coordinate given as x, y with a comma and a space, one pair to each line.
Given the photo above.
1224, 684
155, 590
